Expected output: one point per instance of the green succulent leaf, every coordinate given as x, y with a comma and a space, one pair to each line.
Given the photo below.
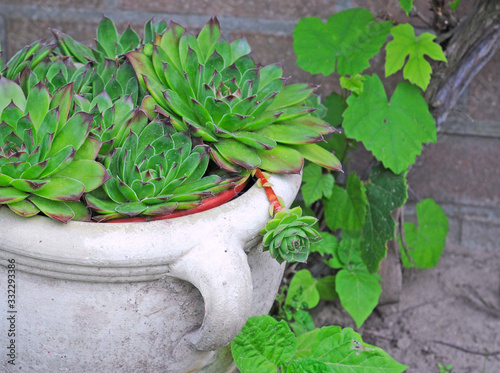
61, 189
281, 159
393, 131
11, 195
347, 42
289, 235
107, 36
90, 173
425, 242
319, 155
24, 208
407, 46
11, 92
56, 210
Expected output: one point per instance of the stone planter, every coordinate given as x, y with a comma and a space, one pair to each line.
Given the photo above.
162, 296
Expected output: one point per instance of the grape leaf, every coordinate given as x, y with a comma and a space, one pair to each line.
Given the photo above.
406, 5
348, 41
407, 45
316, 183
426, 242
349, 251
393, 131
385, 192
335, 107
454, 5
353, 83
328, 244
326, 288
302, 322
358, 291
263, 345
346, 208
343, 351
302, 292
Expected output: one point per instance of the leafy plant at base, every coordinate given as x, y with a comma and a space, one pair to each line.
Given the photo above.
358, 211
44, 165
424, 243
266, 345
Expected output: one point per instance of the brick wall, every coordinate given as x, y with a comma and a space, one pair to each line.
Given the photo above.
461, 172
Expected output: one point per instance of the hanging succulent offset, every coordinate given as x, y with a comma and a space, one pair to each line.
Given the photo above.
154, 173
246, 114
47, 160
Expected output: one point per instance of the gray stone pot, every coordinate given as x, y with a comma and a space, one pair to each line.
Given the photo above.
163, 296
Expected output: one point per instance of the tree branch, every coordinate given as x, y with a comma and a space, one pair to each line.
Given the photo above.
473, 44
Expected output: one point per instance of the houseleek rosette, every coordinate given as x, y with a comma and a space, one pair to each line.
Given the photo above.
154, 173
47, 159
246, 114
288, 235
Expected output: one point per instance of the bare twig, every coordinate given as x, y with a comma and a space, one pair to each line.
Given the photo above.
464, 349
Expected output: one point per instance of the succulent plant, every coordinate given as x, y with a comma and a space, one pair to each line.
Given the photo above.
154, 173
246, 114
289, 234
47, 160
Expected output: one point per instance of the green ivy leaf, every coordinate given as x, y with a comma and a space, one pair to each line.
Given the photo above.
349, 251
343, 351
303, 322
327, 246
406, 5
348, 41
346, 208
263, 345
407, 45
426, 242
335, 105
393, 131
302, 292
385, 192
454, 5
316, 184
353, 83
326, 288
358, 291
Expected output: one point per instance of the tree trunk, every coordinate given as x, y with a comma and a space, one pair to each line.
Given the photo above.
472, 45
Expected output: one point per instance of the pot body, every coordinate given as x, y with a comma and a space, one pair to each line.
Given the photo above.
163, 296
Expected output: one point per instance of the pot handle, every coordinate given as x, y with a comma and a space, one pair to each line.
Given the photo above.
224, 280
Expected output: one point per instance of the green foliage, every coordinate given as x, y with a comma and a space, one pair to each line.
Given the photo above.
445, 369
41, 166
407, 46
394, 131
316, 184
454, 5
346, 208
288, 235
266, 345
357, 212
385, 192
425, 242
358, 291
345, 43
245, 114
406, 5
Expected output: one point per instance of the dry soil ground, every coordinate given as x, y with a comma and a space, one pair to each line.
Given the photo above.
449, 314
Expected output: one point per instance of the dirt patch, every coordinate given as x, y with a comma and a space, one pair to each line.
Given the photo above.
449, 314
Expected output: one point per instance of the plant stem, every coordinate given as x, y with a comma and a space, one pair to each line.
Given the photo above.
271, 196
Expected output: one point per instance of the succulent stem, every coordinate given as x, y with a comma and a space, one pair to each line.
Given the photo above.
271, 196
